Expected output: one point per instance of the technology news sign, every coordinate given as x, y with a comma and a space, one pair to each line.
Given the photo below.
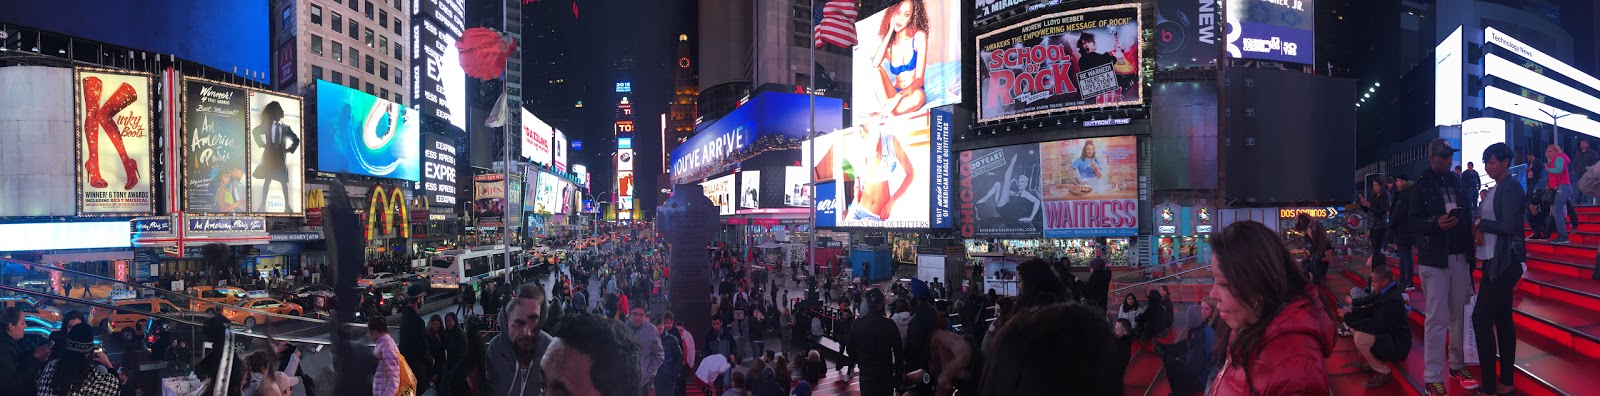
439, 170
1274, 30
1060, 61
113, 143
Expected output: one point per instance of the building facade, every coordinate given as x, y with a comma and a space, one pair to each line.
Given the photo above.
361, 44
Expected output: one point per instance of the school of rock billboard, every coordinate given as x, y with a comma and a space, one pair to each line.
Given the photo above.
1059, 189
113, 143
1060, 61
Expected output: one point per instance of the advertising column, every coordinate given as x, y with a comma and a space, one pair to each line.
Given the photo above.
113, 143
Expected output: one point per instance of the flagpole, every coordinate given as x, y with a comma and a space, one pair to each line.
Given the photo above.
505, 152
811, 131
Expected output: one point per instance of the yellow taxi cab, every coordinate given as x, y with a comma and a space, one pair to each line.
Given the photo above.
131, 315
32, 311
199, 295
259, 305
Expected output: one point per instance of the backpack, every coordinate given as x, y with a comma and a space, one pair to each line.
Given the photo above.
408, 379
1589, 184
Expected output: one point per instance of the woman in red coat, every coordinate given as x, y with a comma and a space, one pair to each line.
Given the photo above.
1281, 336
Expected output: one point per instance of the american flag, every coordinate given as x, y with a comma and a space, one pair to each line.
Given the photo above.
835, 23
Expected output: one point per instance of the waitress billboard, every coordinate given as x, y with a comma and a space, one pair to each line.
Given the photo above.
1060, 189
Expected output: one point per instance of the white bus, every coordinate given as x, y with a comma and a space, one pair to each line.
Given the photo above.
451, 268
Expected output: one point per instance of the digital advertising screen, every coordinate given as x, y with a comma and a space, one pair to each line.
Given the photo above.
1187, 33
625, 159
768, 121
750, 189
1059, 61
366, 135
439, 170
883, 175
720, 191
489, 205
796, 190
214, 136
548, 199
1275, 30
277, 167
559, 145
907, 60
438, 85
1059, 189
625, 183
821, 163
113, 143
536, 137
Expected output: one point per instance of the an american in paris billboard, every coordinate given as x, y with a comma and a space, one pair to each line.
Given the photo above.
1059, 61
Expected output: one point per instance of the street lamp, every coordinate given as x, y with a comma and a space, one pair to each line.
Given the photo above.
1555, 120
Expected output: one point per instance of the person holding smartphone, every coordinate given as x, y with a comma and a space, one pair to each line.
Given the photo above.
1437, 216
83, 370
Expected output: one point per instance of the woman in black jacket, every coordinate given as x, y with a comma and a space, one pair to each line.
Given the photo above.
1499, 236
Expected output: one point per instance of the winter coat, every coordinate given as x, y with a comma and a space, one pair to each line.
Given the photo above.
502, 371
1383, 315
1292, 357
386, 381
1425, 204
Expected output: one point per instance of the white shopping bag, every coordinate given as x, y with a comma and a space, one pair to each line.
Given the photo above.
1469, 340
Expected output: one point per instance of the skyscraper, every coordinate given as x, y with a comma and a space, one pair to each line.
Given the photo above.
359, 44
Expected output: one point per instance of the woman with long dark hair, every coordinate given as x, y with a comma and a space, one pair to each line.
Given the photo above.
81, 370
901, 59
1280, 336
1130, 311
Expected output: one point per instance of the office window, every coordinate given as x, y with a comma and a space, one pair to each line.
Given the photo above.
370, 90
396, 26
316, 45
383, 18
397, 99
383, 44
338, 52
398, 51
316, 14
316, 73
369, 64
288, 17
383, 70
355, 83
383, 92
338, 78
355, 30
368, 38
355, 6
338, 22
369, 10
397, 75
355, 58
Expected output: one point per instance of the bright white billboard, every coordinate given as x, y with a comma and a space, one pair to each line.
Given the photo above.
795, 191
36, 129
1478, 134
559, 145
720, 191
750, 189
1448, 80
536, 137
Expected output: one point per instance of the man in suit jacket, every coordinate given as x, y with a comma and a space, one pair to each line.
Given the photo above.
271, 137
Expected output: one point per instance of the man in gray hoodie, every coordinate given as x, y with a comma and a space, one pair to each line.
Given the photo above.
513, 366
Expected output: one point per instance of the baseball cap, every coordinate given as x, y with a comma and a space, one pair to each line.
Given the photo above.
1440, 147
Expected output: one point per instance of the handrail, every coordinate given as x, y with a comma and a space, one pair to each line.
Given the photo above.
96, 304
1121, 289
136, 285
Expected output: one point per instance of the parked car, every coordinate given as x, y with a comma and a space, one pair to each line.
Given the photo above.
131, 316
200, 295
254, 294
380, 279
258, 312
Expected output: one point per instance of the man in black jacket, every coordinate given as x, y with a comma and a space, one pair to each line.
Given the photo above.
874, 344
1382, 333
413, 342
1096, 291
1403, 242
1437, 215
19, 368
1581, 161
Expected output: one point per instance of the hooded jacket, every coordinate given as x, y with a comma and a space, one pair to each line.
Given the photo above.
1291, 357
503, 373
